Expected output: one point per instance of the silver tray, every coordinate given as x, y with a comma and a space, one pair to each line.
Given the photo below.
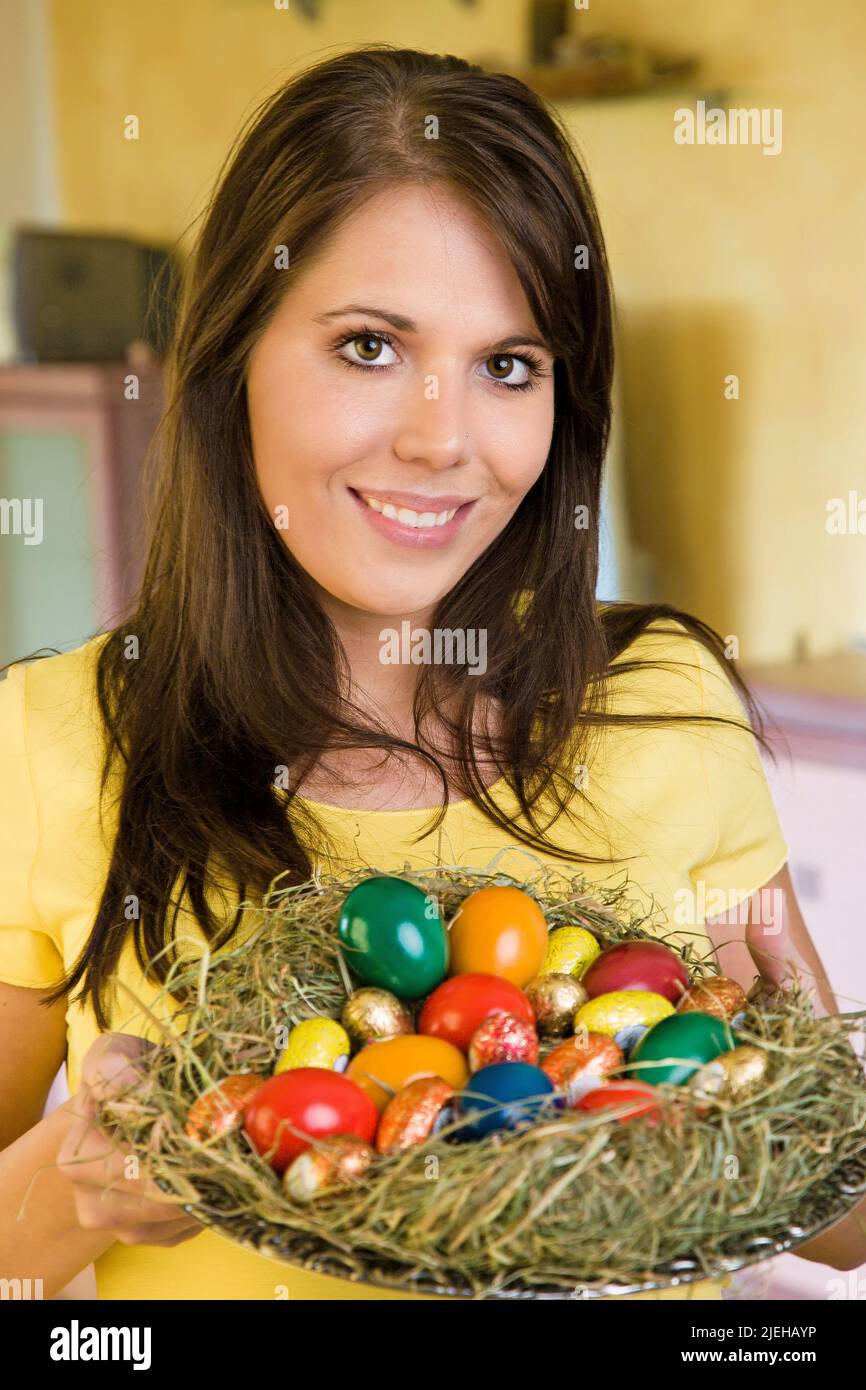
828, 1200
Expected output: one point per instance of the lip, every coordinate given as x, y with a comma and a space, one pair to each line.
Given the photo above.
417, 501
415, 537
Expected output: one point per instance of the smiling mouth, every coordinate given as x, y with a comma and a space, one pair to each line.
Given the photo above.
414, 517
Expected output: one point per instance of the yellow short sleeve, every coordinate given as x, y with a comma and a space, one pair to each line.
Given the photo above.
29, 953
750, 845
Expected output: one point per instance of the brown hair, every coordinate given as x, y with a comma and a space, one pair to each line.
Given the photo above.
239, 670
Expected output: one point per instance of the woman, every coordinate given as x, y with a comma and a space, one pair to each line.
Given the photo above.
389, 403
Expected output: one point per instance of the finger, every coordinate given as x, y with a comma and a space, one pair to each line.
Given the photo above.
101, 1169
115, 1061
168, 1237
108, 1210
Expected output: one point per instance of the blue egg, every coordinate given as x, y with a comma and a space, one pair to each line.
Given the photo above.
504, 1096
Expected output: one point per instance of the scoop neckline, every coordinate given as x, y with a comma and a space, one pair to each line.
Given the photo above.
331, 807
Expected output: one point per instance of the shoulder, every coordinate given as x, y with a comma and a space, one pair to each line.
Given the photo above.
667, 668
49, 713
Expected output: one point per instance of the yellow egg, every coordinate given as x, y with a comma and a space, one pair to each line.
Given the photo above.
623, 1008
317, 1042
570, 951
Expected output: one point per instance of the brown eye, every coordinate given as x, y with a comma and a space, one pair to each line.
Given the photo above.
368, 347
500, 363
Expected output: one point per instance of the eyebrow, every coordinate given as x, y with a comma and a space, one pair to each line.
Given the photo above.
404, 325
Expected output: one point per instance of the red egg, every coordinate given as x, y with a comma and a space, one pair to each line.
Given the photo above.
310, 1099
645, 965
456, 1007
617, 1093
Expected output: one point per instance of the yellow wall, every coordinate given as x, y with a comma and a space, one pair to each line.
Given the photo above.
725, 260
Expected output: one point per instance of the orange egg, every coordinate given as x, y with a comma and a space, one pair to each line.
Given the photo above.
499, 931
397, 1061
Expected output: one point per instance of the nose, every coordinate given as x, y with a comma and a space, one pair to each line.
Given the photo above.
432, 429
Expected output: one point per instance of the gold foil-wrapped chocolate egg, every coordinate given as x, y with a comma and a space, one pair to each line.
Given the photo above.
411, 1116
315, 1042
732, 1076
337, 1162
716, 995
555, 999
621, 1009
581, 1062
374, 1015
570, 951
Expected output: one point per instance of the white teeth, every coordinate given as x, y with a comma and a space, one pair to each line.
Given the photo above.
406, 516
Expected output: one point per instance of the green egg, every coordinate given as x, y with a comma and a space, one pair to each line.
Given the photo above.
393, 937
680, 1044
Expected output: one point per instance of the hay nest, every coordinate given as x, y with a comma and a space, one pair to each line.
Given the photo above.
577, 1203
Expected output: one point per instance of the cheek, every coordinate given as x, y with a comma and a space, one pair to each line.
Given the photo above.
517, 455
301, 434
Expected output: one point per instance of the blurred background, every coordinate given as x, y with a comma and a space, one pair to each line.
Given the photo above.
736, 483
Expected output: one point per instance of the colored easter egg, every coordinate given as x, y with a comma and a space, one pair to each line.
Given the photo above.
393, 937
459, 1005
370, 1015
315, 1042
383, 1068
680, 1045
499, 931
502, 1038
582, 1062
614, 1095
413, 1114
716, 995
570, 951
220, 1109
337, 1162
620, 1010
732, 1076
316, 1102
505, 1096
640, 965
555, 1000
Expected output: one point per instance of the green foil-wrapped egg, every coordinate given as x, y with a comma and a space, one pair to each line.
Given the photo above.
393, 937
680, 1044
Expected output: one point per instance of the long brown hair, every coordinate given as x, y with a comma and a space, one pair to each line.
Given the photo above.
238, 670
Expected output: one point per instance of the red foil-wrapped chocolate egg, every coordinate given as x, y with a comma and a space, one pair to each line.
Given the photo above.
716, 995
502, 1037
581, 1062
411, 1116
220, 1109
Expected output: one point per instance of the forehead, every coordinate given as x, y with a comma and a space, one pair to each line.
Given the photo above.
423, 251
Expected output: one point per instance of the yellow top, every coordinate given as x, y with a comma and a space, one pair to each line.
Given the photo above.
690, 801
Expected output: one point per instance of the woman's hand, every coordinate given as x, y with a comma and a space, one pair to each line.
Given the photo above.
109, 1196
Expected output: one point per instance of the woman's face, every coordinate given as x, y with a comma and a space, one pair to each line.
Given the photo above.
400, 403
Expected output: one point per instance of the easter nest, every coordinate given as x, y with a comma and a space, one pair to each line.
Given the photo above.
573, 1205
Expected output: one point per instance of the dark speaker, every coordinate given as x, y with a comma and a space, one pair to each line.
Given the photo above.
78, 297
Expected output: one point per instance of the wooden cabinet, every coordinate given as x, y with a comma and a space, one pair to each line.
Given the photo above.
72, 442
